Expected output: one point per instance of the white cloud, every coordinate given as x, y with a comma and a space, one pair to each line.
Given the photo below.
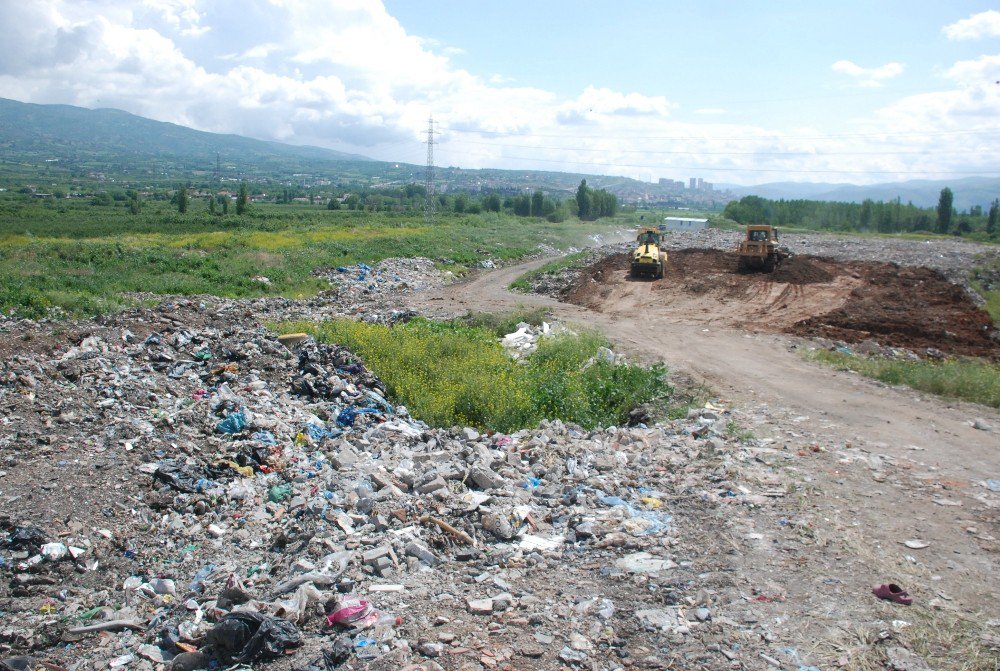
868, 77
347, 75
984, 24
982, 70
181, 15
255, 52
596, 104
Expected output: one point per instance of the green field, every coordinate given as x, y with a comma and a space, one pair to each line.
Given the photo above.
82, 258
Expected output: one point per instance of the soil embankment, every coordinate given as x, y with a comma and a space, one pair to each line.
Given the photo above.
853, 301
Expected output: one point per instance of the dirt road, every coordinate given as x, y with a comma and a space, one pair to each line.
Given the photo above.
751, 368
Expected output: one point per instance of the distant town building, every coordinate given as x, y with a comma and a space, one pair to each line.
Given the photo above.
684, 224
699, 184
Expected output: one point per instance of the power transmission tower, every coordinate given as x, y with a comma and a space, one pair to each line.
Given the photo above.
429, 176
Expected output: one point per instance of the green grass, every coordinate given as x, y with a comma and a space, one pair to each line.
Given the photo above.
737, 432
82, 258
978, 382
992, 305
988, 276
457, 374
575, 260
500, 324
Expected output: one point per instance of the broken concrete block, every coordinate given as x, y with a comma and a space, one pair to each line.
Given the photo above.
480, 606
486, 478
432, 485
421, 552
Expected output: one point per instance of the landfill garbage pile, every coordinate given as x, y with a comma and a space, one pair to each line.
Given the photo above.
370, 293
387, 277
182, 490
523, 341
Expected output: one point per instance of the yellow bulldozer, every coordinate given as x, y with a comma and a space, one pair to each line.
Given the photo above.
649, 259
759, 250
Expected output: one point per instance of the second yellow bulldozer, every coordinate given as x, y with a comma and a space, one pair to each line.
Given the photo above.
759, 250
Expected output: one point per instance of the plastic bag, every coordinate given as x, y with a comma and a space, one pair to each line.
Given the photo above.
297, 607
641, 522
234, 423
244, 637
350, 611
181, 477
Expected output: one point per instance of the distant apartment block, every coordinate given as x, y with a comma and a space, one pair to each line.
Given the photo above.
672, 183
699, 184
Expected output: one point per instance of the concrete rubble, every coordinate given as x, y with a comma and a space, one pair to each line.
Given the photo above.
388, 277
188, 467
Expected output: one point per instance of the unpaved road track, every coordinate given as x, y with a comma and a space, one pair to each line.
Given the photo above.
749, 368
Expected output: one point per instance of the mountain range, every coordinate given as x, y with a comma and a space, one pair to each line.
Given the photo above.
64, 141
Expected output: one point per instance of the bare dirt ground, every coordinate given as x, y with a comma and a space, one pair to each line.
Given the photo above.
874, 465
915, 308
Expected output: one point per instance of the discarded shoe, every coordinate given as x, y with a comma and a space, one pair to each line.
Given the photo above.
892, 592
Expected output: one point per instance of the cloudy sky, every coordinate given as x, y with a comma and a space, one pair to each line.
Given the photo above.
734, 92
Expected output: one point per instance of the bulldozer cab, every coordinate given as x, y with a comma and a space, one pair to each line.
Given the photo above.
761, 233
648, 236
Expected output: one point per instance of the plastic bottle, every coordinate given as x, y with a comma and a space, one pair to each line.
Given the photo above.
199, 577
385, 627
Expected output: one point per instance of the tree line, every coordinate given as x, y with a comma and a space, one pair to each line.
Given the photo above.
588, 204
216, 202
868, 216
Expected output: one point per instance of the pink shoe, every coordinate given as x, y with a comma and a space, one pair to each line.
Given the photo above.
892, 592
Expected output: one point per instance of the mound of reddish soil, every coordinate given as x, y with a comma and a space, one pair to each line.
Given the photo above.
915, 308
801, 270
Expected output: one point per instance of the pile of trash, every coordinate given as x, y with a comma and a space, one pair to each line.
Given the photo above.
524, 340
388, 277
184, 490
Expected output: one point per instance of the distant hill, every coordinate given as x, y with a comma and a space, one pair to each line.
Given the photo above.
62, 141
64, 128
968, 191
